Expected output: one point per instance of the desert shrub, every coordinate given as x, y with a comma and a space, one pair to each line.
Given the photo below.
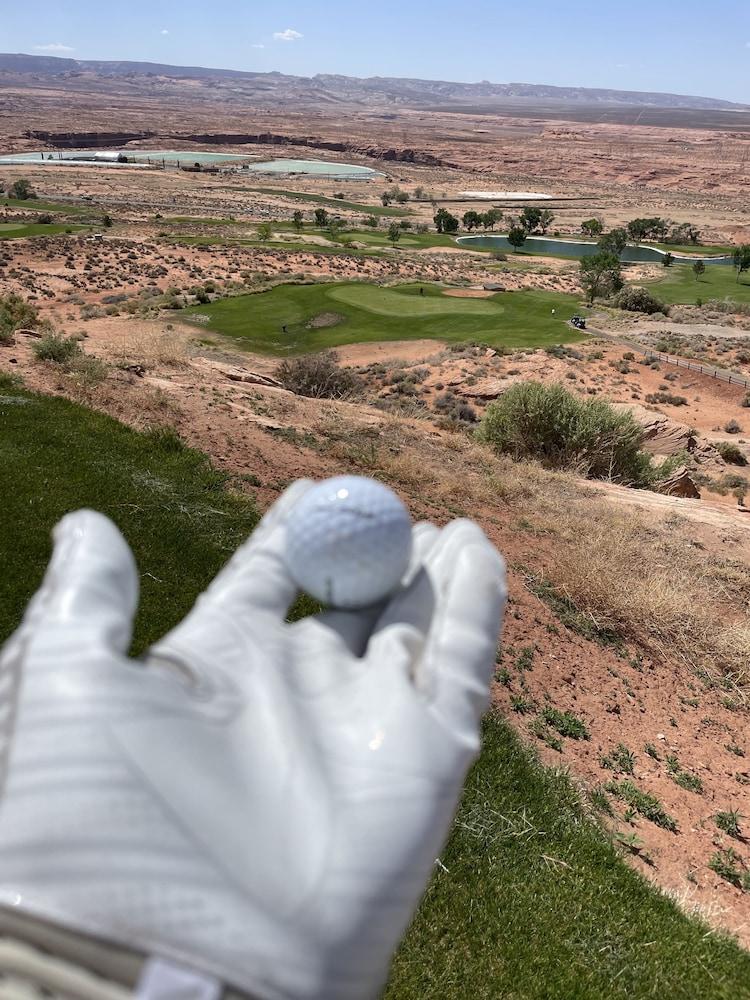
15, 314
318, 375
450, 406
87, 370
666, 397
551, 424
730, 453
732, 427
56, 348
636, 299
561, 351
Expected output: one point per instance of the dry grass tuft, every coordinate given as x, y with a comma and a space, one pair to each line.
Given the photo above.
650, 587
153, 348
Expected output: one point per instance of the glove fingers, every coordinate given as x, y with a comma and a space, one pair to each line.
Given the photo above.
91, 583
254, 580
256, 577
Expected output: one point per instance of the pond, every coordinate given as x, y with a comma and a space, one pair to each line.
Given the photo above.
578, 248
319, 168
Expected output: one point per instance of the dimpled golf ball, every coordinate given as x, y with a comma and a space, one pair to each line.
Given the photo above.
348, 541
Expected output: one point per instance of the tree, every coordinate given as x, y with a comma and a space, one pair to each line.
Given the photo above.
321, 217
385, 199
638, 229
684, 233
530, 218
546, 218
107, 221
516, 237
402, 197
600, 274
298, 220
741, 259
472, 220
264, 231
613, 242
445, 222
668, 259
699, 269
419, 193
394, 233
491, 218
592, 227
335, 225
21, 189
632, 298
371, 221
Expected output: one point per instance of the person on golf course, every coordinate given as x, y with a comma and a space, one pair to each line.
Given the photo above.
254, 807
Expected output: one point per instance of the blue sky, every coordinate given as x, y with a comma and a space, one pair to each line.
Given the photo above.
682, 46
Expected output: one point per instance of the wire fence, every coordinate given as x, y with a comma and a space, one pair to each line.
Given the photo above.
731, 378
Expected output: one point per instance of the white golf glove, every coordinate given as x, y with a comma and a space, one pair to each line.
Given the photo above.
261, 802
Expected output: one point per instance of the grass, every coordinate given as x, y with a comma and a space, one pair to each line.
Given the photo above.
36, 205
531, 902
364, 312
318, 199
643, 803
172, 507
678, 285
21, 230
372, 237
522, 856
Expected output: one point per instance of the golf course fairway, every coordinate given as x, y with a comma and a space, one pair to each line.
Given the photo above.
295, 319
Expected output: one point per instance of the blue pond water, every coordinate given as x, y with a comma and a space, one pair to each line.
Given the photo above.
576, 248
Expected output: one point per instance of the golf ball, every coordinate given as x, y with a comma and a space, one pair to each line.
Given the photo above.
348, 541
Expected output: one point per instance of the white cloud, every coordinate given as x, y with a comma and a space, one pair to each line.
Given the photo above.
164, 31
54, 47
288, 35
257, 45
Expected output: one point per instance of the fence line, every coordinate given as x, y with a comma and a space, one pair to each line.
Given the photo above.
731, 378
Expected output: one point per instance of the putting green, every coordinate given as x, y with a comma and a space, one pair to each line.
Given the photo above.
391, 302
294, 319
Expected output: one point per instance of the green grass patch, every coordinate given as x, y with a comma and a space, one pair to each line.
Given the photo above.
356, 312
18, 231
643, 803
678, 284
170, 504
199, 220
532, 901
35, 205
373, 237
565, 723
319, 199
